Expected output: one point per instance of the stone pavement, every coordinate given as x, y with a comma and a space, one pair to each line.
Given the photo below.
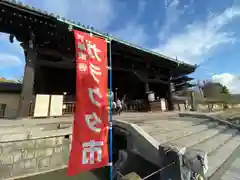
150, 130
69, 118
230, 170
219, 141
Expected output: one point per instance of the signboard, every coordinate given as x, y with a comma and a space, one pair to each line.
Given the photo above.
90, 130
163, 104
56, 105
41, 105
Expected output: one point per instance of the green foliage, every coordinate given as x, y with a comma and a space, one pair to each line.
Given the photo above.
20, 80
216, 92
225, 90
6, 80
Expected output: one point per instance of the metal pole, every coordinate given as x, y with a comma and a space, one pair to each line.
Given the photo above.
110, 113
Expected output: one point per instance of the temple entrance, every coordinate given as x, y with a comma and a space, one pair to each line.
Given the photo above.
51, 80
160, 90
50, 60
128, 84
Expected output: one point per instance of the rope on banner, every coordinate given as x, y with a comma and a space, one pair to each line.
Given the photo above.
109, 67
110, 112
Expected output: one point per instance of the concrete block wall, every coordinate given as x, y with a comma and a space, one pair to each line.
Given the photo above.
11, 101
29, 152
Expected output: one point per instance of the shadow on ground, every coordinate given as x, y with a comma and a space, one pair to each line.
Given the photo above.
98, 174
136, 164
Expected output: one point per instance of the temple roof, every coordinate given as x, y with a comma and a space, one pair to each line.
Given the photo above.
55, 22
10, 87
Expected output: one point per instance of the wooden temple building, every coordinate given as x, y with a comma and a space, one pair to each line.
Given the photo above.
50, 59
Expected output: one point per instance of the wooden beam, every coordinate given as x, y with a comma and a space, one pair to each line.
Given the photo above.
70, 58
180, 84
170, 94
66, 65
159, 81
51, 52
137, 58
60, 64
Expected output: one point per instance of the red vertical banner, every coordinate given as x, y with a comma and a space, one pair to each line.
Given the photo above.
90, 129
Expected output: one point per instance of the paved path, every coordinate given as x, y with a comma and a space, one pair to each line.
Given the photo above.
218, 141
69, 118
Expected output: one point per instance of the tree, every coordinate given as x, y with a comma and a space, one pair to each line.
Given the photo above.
10, 80
216, 91
225, 90
6, 80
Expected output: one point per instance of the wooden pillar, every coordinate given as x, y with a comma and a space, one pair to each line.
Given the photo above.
147, 89
147, 106
26, 96
170, 94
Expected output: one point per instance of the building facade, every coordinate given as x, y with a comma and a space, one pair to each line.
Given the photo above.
9, 99
48, 43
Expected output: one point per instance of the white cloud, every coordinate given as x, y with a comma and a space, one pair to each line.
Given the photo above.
8, 60
99, 15
10, 53
232, 82
14, 47
133, 31
172, 14
200, 38
193, 45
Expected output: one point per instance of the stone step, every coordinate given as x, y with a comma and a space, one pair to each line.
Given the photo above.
167, 126
182, 133
171, 121
188, 118
195, 138
144, 120
218, 140
143, 115
220, 155
194, 121
176, 127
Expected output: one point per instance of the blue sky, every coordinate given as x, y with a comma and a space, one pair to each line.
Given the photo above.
203, 32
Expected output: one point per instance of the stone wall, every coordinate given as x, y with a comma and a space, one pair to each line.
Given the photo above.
30, 151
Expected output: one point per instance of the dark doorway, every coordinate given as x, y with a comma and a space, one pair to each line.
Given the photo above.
50, 80
129, 84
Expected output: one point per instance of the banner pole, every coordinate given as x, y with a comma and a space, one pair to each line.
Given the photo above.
110, 113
